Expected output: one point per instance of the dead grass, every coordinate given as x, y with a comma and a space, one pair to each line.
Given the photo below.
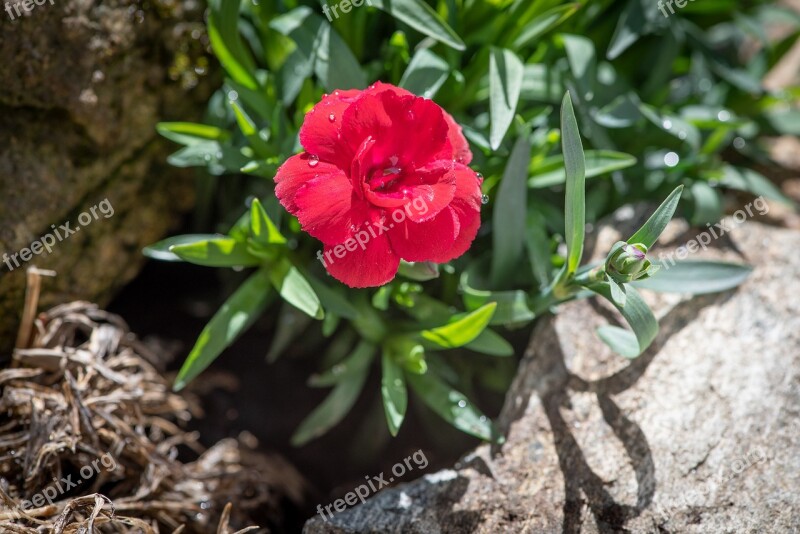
85, 387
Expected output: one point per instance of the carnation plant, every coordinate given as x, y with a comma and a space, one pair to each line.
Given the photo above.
419, 196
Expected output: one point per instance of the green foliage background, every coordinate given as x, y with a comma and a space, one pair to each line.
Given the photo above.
662, 103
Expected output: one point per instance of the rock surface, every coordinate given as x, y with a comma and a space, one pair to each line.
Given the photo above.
700, 434
84, 84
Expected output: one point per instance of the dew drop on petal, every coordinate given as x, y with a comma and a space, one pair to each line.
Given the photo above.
462, 404
331, 117
479, 176
484, 199
313, 160
336, 93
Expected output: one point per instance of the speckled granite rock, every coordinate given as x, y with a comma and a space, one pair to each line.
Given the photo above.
700, 434
83, 85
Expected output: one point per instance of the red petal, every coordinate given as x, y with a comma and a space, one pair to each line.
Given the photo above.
408, 130
328, 210
319, 133
461, 151
370, 265
295, 173
466, 207
459, 144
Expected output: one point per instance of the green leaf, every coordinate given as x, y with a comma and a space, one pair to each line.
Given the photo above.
223, 32
420, 271
190, 133
650, 230
233, 318
353, 364
510, 212
582, 61
216, 252
453, 407
462, 330
422, 18
333, 408
491, 343
544, 23
333, 300
632, 24
751, 181
575, 169
638, 315
618, 295
318, 44
295, 289
393, 392
262, 229
550, 171
425, 74
537, 243
512, 306
250, 130
505, 84
161, 250
695, 277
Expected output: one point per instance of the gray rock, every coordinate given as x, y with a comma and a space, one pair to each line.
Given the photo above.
700, 434
84, 84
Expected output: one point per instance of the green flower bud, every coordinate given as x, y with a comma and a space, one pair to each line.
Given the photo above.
628, 262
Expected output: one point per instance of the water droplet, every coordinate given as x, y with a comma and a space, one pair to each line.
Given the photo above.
739, 143
479, 176
484, 199
207, 157
233, 96
338, 369
410, 115
671, 159
331, 117
313, 160
336, 93
682, 135
667, 124
724, 115
462, 404
398, 382
482, 419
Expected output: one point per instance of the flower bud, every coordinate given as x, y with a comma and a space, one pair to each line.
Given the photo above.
627, 262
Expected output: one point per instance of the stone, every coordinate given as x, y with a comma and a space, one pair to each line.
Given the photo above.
84, 84
700, 434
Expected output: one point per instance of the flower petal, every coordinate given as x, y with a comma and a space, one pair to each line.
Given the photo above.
461, 152
466, 207
370, 265
328, 209
319, 133
295, 173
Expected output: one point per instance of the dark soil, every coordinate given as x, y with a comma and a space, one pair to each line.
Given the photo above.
242, 393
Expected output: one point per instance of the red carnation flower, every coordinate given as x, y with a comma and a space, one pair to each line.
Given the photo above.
384, 178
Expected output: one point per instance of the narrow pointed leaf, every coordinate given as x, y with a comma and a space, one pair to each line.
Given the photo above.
461, 331
216, 252
295, 289
505, 84
696, 277
453, 406
233, 318
393, 392
649, 232
575, 168
638, 315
